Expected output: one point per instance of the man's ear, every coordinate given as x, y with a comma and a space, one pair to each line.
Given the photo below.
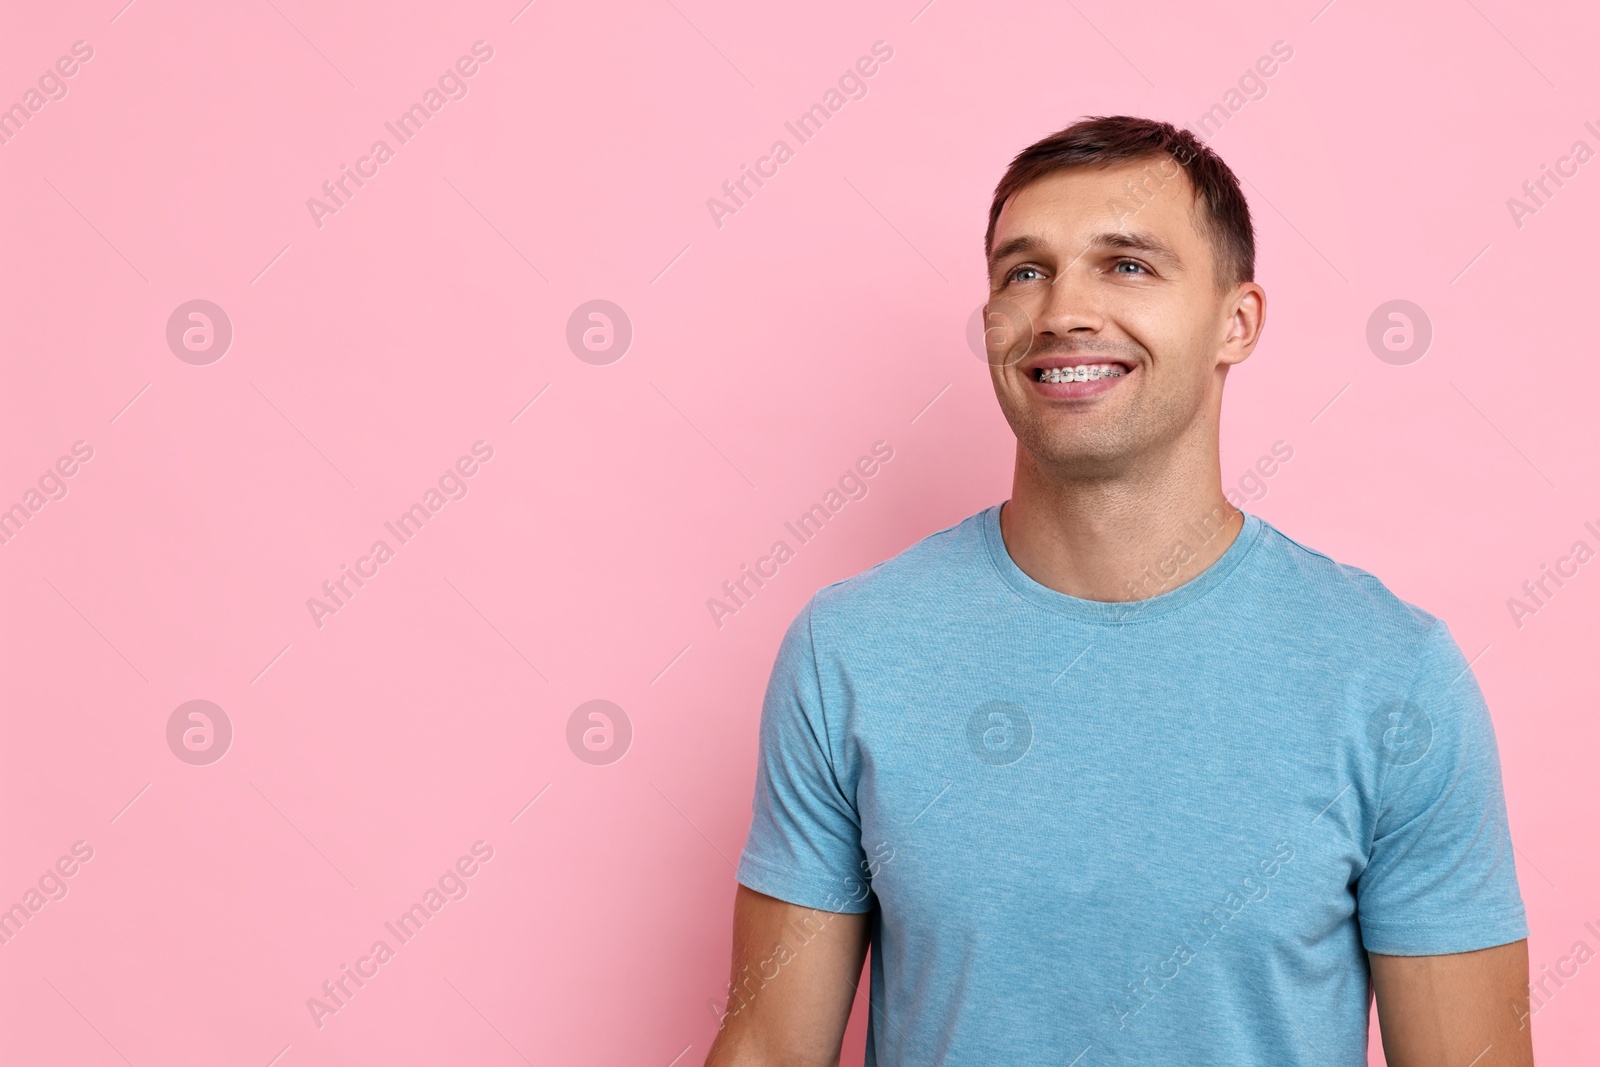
1246, 317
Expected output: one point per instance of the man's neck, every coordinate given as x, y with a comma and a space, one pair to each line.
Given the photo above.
1119, 539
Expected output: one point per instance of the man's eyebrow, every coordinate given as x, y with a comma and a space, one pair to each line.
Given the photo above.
1136, 241
1133, 241
1025, 243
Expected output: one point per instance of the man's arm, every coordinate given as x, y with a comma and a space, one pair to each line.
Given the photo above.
794, 977
1453, 1010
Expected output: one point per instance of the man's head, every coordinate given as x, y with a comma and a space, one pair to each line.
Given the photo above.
1126, 245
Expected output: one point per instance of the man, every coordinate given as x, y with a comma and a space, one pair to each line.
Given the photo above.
1112, 772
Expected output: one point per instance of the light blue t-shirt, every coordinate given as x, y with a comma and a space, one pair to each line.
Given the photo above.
1155, 832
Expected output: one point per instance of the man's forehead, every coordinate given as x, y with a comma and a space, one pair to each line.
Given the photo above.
1153, 177
1140, 204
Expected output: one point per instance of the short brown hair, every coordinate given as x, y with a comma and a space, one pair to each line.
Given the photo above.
1103, 140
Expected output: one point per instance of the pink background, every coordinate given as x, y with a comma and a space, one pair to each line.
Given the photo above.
830, 312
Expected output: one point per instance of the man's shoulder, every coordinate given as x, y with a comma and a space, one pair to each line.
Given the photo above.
1315, 586
924, 573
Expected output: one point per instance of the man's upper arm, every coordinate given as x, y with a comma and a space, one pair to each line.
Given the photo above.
804, 844
1453, 1010
1438, 904
1440, 876
801, 914
794, 976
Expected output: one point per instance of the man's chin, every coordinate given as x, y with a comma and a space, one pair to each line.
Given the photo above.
1081, 444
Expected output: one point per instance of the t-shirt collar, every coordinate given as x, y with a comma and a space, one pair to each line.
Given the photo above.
1114, 613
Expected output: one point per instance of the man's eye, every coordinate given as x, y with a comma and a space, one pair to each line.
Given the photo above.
1013, 276
1129, 263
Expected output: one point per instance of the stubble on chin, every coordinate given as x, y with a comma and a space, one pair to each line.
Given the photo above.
1099, 448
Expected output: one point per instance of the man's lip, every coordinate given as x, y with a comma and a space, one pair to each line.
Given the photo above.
1032, 367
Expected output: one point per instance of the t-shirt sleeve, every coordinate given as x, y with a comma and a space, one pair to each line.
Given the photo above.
1440, 876
805, 834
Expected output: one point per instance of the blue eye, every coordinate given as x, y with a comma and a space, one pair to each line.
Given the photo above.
1013, 275
1129, 263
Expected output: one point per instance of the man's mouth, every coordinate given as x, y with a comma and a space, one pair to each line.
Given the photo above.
1083, 372
1075, 377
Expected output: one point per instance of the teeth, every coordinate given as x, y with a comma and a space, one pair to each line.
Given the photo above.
1081, 373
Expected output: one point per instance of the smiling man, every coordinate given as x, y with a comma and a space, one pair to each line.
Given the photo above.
1083, 815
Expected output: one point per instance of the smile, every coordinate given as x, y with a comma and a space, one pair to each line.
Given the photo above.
1082, 373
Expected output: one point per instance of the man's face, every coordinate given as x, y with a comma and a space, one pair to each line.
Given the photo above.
1086, 272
